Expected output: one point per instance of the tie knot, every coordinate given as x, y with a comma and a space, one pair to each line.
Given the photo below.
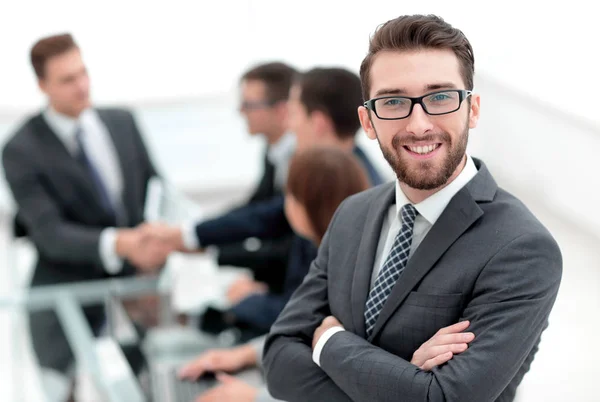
409, 213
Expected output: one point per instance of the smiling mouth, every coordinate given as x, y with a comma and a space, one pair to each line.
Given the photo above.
422, 149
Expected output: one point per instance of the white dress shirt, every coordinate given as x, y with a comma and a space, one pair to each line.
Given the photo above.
279, 154
101, 150
429, 210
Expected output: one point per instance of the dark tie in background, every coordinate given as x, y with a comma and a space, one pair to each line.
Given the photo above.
84, 159
393, 267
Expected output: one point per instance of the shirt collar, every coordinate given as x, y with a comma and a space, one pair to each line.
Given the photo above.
280, 151
432, 207
65, 126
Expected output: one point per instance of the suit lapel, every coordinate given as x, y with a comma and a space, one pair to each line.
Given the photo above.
363, 269
59, 156
456, 218
124, 154
459, 215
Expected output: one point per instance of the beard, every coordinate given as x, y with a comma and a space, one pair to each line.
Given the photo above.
426, 174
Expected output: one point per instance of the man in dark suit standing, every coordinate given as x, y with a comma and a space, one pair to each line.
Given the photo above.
78, 175
442, 245
264, 91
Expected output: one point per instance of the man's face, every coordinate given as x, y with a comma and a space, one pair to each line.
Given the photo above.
66, 83
300, 122
260, 115
423, 150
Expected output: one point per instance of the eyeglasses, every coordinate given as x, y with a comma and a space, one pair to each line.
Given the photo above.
254, 105
400, 107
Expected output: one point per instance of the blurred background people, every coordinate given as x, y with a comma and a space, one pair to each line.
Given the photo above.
263, 105
78, 175
323, 104
320, 179
322, 113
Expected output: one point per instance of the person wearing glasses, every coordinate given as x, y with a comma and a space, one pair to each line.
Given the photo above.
442, 245
264, 90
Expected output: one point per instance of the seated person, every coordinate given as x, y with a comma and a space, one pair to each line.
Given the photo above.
319, 180
264, 90
322, 112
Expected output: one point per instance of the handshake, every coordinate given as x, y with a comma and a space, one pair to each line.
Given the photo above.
148, 245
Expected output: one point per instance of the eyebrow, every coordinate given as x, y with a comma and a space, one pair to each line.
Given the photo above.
402, 91
440, 85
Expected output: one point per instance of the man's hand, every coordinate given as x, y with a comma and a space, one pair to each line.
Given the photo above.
328, 322
230, 389
244, 287
167, 234
228, 360
442, 346
144, 252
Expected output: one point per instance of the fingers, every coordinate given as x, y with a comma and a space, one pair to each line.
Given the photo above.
194, 369
425, 353
225, 378
159, 232
208, 361
189, 372
244, 287
454, 328
454, 348
330, 321
436, 361
448, 339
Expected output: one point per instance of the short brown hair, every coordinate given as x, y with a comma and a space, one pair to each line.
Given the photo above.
320, 178
47, 48
335, 92
277, 77
415, 32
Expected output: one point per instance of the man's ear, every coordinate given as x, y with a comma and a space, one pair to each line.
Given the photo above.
364, 115
474, 110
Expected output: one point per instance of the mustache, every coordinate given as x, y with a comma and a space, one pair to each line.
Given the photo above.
401, 140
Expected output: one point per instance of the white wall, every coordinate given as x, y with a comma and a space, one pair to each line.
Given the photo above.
528, 54
532, 148
139, 51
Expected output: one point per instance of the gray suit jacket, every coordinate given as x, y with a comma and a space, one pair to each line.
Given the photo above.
487, 259
60, 211
57, 202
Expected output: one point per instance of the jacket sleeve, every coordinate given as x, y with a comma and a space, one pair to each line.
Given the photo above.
262, 219
54, 236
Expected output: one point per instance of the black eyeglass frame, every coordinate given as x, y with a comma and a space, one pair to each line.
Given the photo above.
462, 95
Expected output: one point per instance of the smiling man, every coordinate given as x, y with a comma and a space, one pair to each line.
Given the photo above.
442, 245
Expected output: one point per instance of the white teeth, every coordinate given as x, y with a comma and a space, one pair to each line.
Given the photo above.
423, 150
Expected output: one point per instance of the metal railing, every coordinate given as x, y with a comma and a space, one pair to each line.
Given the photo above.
68, 300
